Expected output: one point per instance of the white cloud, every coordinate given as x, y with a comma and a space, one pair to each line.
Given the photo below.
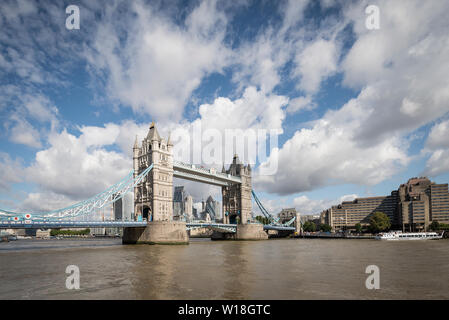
259, 62
10, 171
329, 153
157, 65
40, 108
439, 136
437, 145
254, 112
438, 163
305, 205
300, 103
255, 109
23, 132
404, 62
401, 70
44, 202
315, 63
293, 12
30, 116
78, 167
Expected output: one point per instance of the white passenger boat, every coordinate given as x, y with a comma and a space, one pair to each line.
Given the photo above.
398, 235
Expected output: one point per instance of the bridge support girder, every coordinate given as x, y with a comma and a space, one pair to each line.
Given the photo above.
157, 232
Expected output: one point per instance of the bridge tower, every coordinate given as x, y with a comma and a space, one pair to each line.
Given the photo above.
153, 196
237, 202
237, 205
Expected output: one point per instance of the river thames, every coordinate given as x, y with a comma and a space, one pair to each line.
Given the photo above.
204, 269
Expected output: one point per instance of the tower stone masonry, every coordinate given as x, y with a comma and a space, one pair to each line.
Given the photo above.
237, 201
153, 196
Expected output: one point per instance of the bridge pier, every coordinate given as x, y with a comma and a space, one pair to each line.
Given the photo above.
251, 231
247, 231
157, 232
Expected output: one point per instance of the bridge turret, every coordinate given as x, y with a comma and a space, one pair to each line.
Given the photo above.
136, 150
237, 197
156, 190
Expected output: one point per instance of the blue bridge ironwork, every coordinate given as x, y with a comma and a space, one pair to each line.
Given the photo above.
68, 217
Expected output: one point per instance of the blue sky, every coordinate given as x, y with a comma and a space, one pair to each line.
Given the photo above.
360, 110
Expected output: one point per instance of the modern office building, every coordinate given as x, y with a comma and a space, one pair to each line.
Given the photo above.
178, 202
188, 207
439, 205
216, 208
411, 208
422, 202
349, 213
123, 207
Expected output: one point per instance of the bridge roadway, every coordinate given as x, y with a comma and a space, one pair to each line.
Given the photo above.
209, 176
120, 224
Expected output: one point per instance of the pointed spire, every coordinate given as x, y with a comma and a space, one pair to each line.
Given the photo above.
136, 144
153, 134
236, 159
169, 143
223, 170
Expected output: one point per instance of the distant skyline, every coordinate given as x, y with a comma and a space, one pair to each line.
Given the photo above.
360, 111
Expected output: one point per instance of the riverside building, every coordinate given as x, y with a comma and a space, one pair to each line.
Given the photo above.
412, 207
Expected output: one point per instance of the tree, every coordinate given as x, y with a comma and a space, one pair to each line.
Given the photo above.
309, 226
434, 226
358, 228
325, 227
379, 222
263, 220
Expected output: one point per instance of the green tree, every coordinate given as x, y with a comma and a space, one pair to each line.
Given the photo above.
358, 228
325, 227
434, 226
263, 220
309, 226
379, 222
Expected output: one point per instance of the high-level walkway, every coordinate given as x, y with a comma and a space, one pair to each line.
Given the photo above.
198, 174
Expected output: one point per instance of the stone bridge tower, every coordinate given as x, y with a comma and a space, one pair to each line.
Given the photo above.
237, 201
153, 196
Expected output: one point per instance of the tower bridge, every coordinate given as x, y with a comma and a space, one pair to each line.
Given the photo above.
152, 181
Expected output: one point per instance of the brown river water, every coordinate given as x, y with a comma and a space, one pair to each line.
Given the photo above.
204, 269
